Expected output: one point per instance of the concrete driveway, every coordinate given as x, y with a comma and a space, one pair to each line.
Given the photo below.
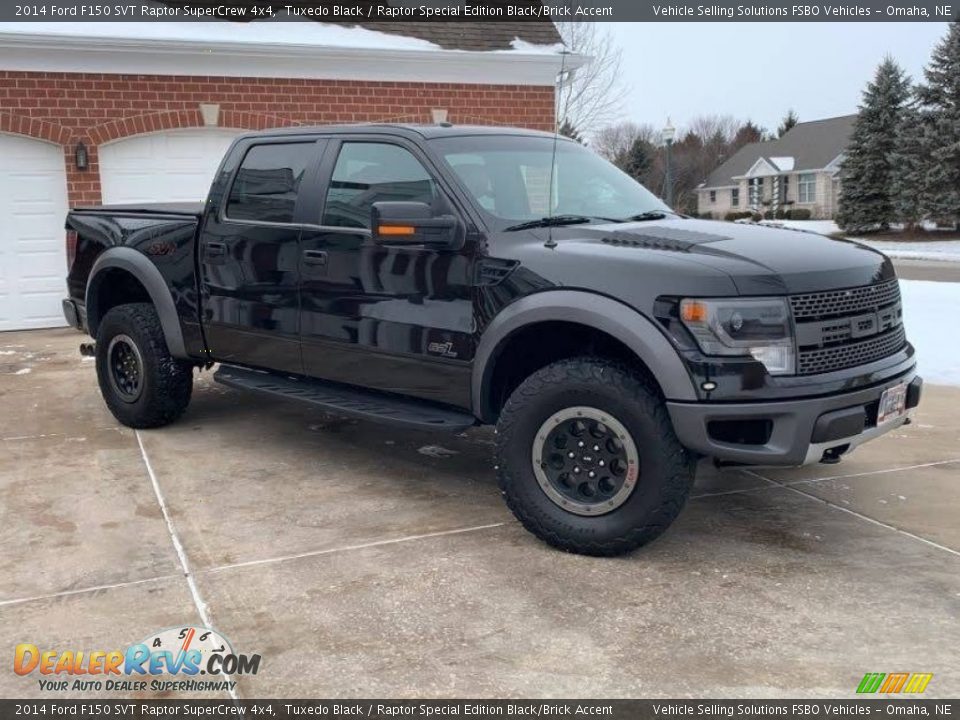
361, 560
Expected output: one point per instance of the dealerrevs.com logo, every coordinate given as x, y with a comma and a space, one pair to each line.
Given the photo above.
176, 659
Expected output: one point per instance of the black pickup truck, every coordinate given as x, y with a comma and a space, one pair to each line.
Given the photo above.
441, 277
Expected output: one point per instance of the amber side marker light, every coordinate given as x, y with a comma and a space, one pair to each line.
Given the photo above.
693, 311
396, 230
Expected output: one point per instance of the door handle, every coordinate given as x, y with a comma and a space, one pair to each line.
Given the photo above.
215, 249
314, 257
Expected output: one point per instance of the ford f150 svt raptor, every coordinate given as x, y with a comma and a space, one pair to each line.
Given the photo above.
441, 277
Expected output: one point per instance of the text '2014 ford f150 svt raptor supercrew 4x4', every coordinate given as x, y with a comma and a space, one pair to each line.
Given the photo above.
441, 277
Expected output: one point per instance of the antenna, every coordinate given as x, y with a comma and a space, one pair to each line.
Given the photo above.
551, 243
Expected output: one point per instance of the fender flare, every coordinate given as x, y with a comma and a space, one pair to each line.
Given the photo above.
614, 318
138, 265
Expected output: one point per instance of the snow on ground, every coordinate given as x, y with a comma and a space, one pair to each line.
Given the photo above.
942, 250
925, 307
936, 250
824, 227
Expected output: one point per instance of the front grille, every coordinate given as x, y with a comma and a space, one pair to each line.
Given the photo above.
840, 329
837, 303
811, 362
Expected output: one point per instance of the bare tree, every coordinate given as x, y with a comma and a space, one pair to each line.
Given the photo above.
592, 95
615, 141
720, 129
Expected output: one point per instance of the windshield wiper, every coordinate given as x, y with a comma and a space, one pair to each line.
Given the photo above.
649, 215
557, 220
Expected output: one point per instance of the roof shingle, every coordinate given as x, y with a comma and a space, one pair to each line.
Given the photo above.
477, 36
812, 145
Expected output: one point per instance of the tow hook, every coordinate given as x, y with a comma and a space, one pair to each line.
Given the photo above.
833, 455
88, 349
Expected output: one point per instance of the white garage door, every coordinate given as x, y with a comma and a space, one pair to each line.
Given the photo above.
33, 204
162, 167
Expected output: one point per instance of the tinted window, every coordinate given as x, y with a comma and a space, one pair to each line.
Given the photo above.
268, 181
509, 177
366, 173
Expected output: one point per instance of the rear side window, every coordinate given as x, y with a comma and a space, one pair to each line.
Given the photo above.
368, 172
268, 182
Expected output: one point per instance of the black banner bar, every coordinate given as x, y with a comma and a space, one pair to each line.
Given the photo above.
444, 709
365, 11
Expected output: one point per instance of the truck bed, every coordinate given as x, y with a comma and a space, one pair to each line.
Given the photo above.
192, 209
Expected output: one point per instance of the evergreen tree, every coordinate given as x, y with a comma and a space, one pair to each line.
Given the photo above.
941, 97
788, 122
746, 134
568, 129
639, 159
911, 163
866, 200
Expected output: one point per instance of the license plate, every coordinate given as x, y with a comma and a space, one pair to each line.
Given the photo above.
893, 404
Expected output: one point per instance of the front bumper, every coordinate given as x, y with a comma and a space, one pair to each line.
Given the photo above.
788, 432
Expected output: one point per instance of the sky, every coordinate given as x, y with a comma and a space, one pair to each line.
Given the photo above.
760, 70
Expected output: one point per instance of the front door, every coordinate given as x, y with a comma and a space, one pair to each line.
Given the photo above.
250, 258
398, 318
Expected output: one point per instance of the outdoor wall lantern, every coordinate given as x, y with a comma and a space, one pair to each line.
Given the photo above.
80, 156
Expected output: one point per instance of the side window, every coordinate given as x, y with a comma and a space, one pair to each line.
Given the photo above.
368, 172
267, 184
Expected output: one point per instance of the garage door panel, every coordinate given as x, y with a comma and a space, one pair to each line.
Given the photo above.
33, 199
163, 167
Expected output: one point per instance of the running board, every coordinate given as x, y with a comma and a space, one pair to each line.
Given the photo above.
356, 402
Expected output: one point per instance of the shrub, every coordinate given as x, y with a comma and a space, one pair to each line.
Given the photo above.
734, 215
798, 214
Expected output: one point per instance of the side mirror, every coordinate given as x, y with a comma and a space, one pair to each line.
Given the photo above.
413, 223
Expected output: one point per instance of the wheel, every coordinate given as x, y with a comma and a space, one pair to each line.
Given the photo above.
142, 384
587, 458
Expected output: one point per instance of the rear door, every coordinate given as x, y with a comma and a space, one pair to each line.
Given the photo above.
250, 256
392, 318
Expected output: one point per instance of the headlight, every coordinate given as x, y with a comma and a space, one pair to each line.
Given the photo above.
757, 327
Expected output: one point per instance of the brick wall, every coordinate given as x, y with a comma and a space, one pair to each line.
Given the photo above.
66, 108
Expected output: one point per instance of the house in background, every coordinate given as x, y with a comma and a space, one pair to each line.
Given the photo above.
799, 170
143, 112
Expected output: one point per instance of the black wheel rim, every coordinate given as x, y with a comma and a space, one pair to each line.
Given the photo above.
585, 461
125, 368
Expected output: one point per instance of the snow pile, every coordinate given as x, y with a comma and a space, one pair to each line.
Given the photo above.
824, 227
925, 307
530, 48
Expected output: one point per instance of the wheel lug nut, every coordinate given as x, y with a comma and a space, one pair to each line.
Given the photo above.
576, 470
596, 448
591, 474
602, 463
580, 444
570, 455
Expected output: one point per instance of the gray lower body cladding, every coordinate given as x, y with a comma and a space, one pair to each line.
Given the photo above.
791, 432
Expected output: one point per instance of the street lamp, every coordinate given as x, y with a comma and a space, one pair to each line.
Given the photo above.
668, 134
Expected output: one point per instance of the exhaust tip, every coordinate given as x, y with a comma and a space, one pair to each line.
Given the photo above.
88, 349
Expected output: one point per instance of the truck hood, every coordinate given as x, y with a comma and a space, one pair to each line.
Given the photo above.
754, 259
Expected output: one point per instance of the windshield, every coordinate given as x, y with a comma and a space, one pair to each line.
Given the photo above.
509, 178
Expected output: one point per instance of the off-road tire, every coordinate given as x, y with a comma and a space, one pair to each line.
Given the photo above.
666, 468
167, 382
